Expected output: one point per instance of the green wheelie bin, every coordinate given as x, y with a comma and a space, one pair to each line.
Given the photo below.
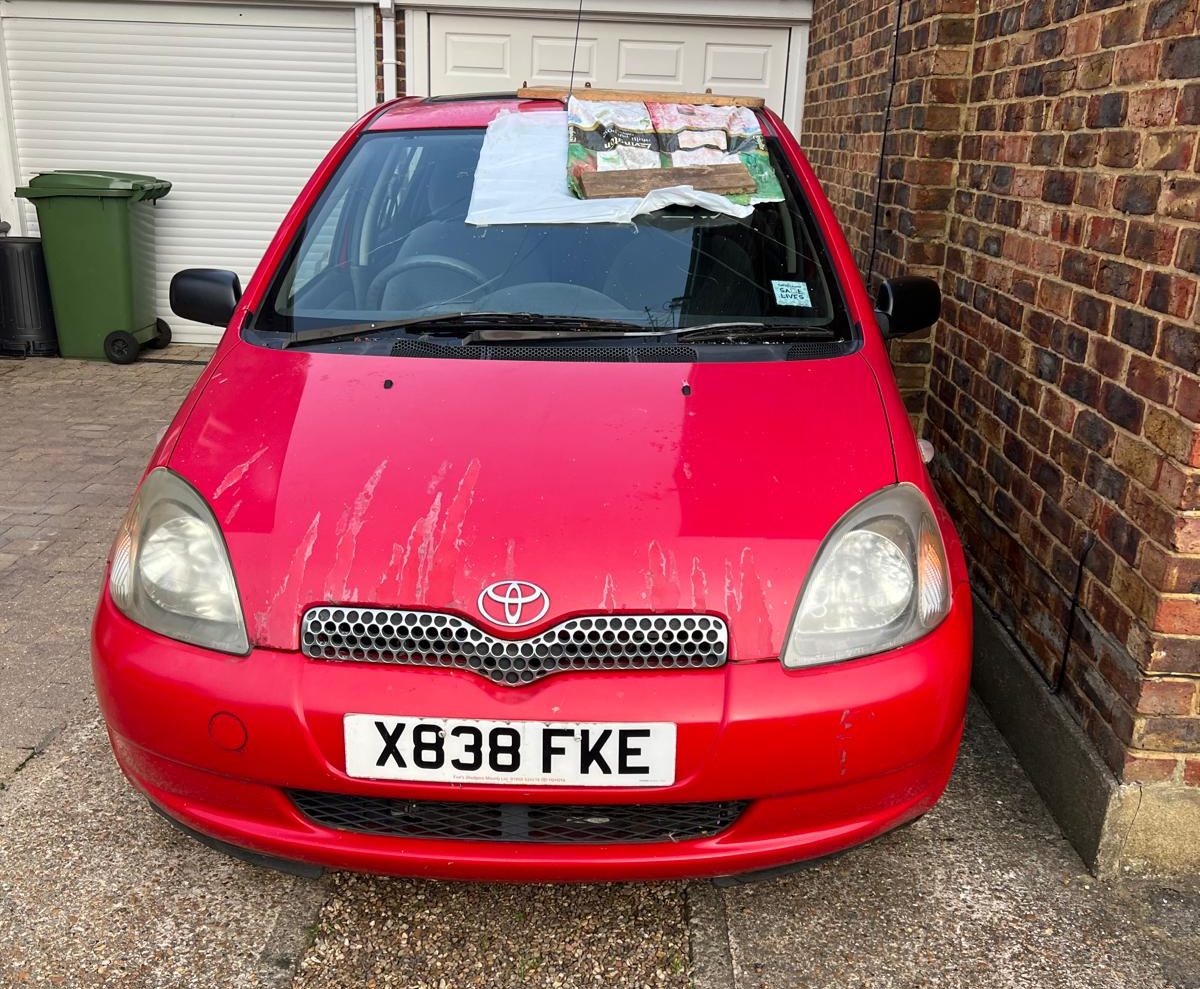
98, 240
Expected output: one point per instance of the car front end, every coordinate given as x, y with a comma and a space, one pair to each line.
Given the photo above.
408, 607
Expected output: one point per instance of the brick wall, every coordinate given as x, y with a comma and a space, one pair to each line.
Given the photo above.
849, 82
1044, 164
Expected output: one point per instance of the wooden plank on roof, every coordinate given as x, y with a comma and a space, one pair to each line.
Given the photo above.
640, 96
727, 180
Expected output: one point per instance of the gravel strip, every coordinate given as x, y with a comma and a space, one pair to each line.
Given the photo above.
407, 934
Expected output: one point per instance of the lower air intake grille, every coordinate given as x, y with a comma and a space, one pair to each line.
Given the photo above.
561, 824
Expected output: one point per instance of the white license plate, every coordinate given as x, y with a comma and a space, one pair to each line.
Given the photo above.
521, 753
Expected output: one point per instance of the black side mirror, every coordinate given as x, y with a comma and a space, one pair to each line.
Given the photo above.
910, 303
206, 295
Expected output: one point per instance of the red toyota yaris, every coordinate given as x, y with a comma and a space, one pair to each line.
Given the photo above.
538, 551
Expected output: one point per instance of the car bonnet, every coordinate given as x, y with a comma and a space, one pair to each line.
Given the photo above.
417, 483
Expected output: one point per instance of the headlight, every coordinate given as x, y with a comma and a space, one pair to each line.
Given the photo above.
170, 569
879, 581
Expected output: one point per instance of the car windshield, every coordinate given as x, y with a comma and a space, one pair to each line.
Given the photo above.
388, 241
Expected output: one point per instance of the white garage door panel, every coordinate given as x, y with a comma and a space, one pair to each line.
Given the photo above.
235, 112
479, 53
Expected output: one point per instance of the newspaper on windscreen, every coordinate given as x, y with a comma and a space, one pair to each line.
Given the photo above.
613, 136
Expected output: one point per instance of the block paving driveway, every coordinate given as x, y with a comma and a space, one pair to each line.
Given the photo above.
96, 890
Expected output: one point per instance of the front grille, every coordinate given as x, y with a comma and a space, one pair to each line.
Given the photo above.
564, 824
603, 642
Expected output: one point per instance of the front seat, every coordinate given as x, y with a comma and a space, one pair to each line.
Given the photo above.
457, 260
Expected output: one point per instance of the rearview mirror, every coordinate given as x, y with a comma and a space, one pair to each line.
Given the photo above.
909, 303
206, 295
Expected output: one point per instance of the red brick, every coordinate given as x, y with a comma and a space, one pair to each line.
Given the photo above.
1170, 572
1108, 358
1153, 242
1181, 58
1106, 233
1150, 379
1187, 402
1188, 257
1171, 294
1138, 459
1081, 151
1134, 65
1121, 148
1179, 486
1095, 71
1170, 17
1095, 190
1136, 329
1122, 281
1110, 109
1082, 36
1174, 654
1141, 767
1137, 194
1123, 26
1189, 105
1177, 615
1152, 108
1164, 696
1181, 346
1170, 151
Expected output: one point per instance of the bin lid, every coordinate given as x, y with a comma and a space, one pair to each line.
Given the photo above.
80, 182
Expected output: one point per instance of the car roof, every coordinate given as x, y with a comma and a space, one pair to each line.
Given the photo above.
428, 112
422, 113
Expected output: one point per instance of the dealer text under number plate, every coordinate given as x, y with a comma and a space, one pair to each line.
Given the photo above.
520, 753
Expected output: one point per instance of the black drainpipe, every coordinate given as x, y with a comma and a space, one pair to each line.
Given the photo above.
1088, 542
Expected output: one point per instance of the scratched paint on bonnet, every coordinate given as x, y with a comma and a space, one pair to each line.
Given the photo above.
604, 484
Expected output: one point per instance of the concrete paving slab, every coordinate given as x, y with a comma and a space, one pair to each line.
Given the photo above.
76, 437
11, 759
96, 890
983, 892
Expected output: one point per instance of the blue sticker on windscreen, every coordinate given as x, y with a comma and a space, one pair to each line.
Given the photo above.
792, 294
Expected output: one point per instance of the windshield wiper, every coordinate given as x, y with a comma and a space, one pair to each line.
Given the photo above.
686, 334
521, 327
498, 327
753, 331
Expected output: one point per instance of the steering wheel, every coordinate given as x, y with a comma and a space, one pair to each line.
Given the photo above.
401, 265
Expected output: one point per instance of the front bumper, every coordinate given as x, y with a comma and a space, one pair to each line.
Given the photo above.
829, 757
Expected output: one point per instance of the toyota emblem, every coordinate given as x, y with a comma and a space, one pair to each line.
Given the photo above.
515, 603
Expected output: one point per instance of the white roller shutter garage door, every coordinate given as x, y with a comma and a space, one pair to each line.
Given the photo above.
234, 104
479, 53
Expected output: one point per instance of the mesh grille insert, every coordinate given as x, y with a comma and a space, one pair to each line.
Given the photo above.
603, 642
576, 353
423, 348
534, 823
816, 349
